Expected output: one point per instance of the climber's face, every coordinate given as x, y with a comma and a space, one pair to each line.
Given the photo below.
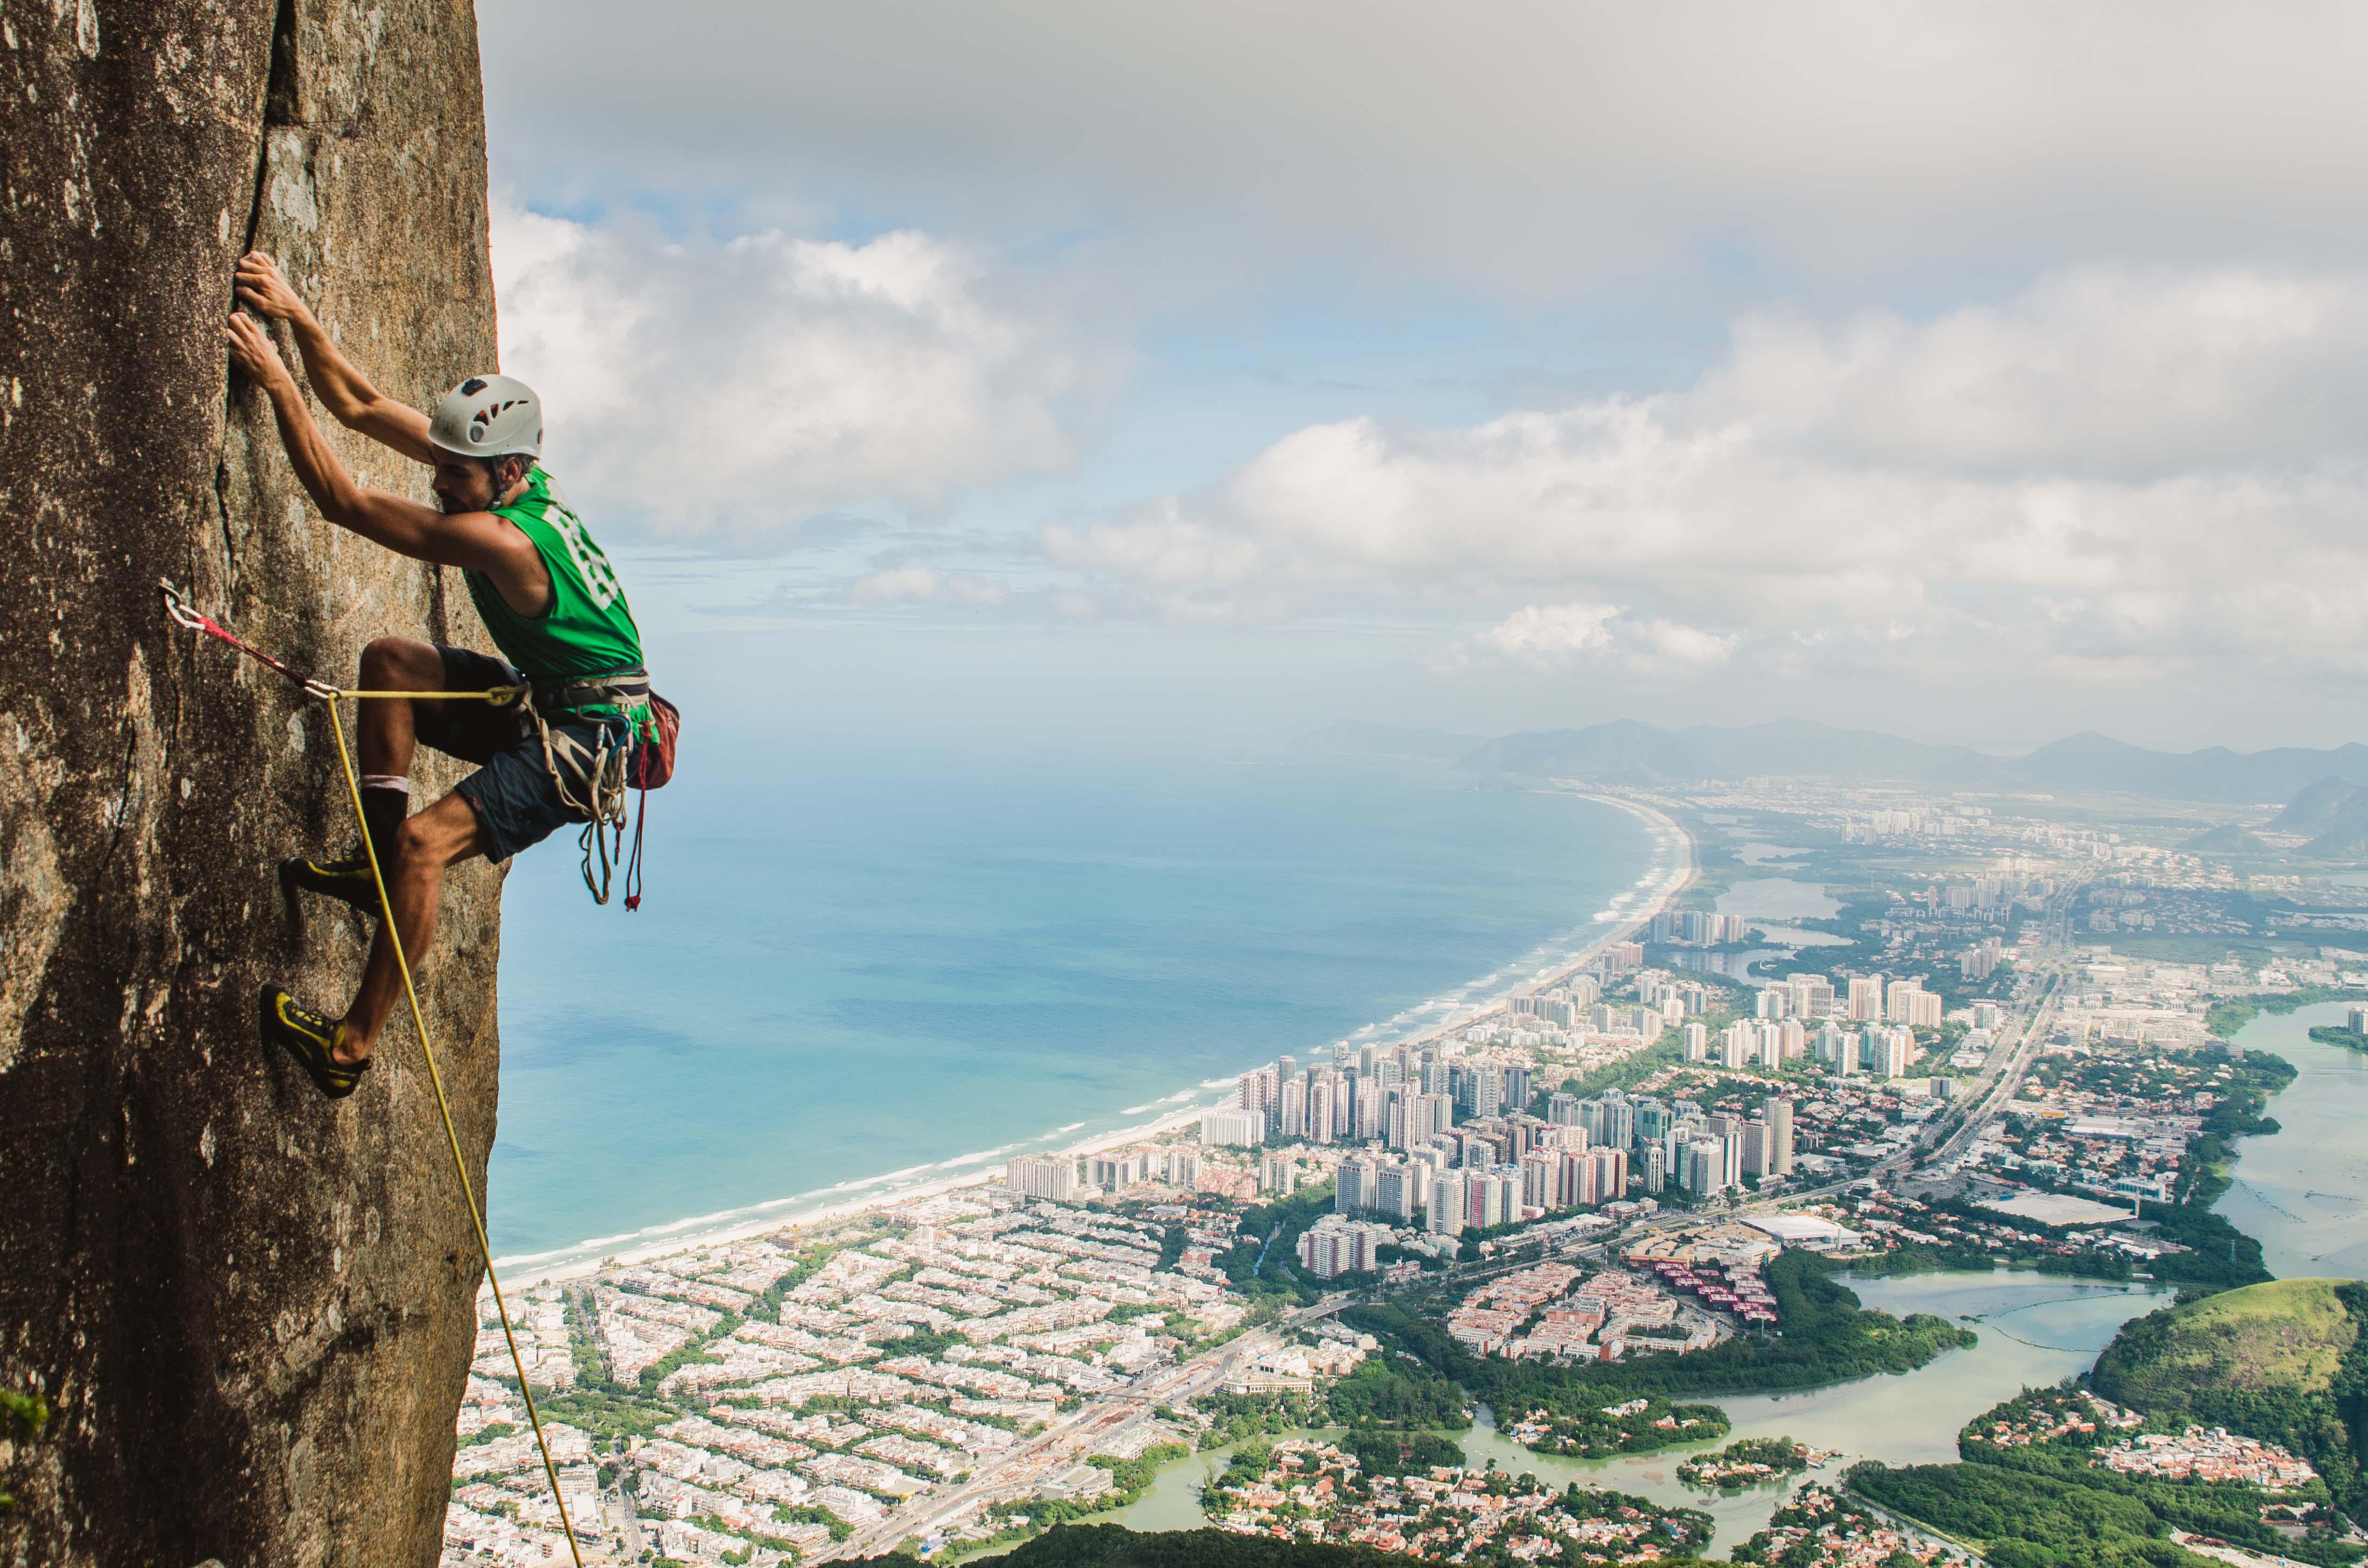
476, 484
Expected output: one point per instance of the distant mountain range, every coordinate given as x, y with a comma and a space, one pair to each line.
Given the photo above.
2334, 811
1628, 751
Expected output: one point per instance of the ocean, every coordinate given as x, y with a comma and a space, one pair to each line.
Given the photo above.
861, 964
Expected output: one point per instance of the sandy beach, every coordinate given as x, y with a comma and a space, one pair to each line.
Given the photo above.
809, 1211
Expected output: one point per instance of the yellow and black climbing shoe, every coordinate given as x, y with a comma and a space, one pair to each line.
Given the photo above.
312, 1039
347, 880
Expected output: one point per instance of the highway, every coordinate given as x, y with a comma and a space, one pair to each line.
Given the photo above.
2003, 1078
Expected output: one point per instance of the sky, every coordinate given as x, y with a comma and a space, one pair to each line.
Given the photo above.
1206, 374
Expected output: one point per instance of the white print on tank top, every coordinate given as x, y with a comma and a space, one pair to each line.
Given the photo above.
599, 578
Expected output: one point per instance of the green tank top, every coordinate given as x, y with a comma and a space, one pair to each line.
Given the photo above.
589, 628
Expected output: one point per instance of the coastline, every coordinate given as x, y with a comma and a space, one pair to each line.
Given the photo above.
807, 1210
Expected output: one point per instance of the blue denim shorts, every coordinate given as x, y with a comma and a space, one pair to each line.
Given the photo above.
511, 791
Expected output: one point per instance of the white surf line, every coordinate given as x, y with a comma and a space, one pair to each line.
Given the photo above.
586, 1258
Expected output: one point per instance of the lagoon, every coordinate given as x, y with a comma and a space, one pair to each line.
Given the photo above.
2034, 1331
1777, 898
2302, 1191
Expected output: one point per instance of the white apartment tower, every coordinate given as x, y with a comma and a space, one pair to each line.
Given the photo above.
1866, 998
1777, 1111
1053, 1177
1292, 1107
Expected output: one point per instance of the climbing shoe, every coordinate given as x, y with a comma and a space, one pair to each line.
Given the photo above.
312, 1039
347, 880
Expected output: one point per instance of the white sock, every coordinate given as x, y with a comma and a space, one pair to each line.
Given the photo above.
400, 784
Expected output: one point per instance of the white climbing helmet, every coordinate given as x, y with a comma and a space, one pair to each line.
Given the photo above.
488, 416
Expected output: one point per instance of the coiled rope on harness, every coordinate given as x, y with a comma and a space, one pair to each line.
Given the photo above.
181, 614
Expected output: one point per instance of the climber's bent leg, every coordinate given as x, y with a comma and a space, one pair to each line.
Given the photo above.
389, 735
392, 730
444, 834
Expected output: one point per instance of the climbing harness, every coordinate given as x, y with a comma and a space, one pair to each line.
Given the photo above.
178, 609
591, 777
600, 766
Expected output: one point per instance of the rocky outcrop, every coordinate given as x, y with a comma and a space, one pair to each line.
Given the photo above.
249, 1311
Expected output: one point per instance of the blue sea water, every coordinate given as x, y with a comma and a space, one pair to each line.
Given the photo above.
859, 961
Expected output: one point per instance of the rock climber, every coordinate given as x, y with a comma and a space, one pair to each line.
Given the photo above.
546, 594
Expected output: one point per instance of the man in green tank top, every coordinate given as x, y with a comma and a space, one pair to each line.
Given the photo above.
548, 597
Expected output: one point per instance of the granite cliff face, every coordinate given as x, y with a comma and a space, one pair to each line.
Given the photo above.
249, 1309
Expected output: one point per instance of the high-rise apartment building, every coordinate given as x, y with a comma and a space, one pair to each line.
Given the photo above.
1728, 1130
1319, 1108
1443, 1215
1541, 1179
1292, 1107
1053, 1177
1610, 1173
1908, 1003
1649, 1123
1777, 1109
1232, 1127
1333, 1246
1866, 998
1705, 1167
1115, 1170
1755, 1150
1487, 1091
1353, 1183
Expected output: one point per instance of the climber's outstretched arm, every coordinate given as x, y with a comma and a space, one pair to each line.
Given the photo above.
344, 390
478, 541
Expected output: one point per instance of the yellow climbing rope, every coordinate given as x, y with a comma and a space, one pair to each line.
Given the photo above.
179, 611
435, 1077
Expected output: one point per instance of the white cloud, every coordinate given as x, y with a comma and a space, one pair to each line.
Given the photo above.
1558, 636
1543, 633
1670, 642
2163, 469
726, 392
926, 585
1162, 546
2095, 369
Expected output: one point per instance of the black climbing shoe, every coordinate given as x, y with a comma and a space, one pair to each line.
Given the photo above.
346, 881
310, 1040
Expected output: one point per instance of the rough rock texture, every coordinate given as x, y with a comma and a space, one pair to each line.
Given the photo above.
249, 1309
